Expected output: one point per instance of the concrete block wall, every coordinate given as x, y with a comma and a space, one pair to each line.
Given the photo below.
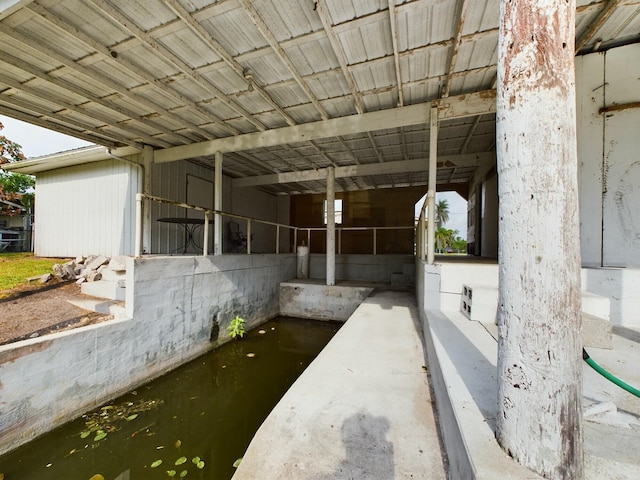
171, 308
365, 268
622, 287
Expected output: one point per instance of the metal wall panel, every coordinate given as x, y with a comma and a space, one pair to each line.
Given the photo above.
621, 215
86, 210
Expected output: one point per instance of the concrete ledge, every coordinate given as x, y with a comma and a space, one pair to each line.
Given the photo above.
463, 374
361, 410
306, 299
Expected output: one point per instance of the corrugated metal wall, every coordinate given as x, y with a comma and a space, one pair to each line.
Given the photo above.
169, 180
86, 210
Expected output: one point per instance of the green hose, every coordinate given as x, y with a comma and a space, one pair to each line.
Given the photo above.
608, 376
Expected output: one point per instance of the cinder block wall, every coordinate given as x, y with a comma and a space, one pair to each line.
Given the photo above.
173, 305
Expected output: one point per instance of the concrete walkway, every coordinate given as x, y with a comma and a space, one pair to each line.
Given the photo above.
361, 410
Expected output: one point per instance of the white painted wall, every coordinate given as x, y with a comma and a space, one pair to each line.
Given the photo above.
609, 157
86, 210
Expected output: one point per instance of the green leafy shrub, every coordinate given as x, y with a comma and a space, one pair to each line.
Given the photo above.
236, 328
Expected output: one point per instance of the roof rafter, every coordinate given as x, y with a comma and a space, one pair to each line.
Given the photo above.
170, 57
594, 26
394, 41
67, 62
18, 63
457, 40
104, 52
453, 107
264, 29
339, 53
418, 165
206, 37
102, 140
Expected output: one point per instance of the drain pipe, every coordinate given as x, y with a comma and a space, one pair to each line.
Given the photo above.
136, 164
608, 376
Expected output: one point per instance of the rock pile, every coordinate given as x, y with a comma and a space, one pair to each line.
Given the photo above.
89, 269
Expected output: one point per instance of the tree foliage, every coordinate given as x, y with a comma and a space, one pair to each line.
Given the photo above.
442, 213
14, 187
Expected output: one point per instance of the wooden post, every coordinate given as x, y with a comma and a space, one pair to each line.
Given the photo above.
539, 421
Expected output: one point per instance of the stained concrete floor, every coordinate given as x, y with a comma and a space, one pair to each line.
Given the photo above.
361, 410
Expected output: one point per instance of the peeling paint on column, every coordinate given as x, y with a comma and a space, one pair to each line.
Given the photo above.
539, 366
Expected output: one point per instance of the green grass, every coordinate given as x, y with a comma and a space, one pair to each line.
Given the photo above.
15, 268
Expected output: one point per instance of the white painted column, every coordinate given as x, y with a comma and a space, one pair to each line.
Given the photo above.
147, 162
217, 205
539, 419
431, 192
331, 226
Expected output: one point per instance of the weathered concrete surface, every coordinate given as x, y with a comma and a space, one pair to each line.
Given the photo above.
365, 268
462, 362
361, 410
308, 299
177, 308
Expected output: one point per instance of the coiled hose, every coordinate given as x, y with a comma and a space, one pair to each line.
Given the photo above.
608, 376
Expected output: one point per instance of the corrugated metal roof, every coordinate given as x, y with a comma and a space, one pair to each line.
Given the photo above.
175, 72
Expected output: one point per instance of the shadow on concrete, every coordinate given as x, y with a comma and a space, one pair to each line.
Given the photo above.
368, 453
628, 333
476, 371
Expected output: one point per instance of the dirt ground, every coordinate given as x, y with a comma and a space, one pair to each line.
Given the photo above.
35, 310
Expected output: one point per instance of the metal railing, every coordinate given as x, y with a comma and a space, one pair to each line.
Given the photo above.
339, 231
140, 197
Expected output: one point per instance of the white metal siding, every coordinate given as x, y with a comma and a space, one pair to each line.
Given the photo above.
86, 210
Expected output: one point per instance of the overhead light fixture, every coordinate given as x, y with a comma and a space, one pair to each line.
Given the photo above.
248, 76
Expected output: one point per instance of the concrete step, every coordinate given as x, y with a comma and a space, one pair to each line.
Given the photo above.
112, 276
596, 332
480, 303
107, 307
596, 305
104, 289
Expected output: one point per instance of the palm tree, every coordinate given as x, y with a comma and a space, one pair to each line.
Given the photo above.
442, 213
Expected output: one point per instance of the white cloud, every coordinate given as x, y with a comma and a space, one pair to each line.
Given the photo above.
37, 141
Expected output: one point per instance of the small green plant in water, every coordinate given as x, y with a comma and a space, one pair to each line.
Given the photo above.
236, 328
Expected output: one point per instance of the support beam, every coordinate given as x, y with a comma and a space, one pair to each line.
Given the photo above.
331, 227
350, 171
539, 419
431, 192
147, 163
448, 108
217, 205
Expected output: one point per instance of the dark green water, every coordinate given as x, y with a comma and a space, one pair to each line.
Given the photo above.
209, 408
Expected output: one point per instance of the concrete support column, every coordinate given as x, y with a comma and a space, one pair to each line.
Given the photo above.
431, 192
539, 421
331, 226
217, 205
147, 162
